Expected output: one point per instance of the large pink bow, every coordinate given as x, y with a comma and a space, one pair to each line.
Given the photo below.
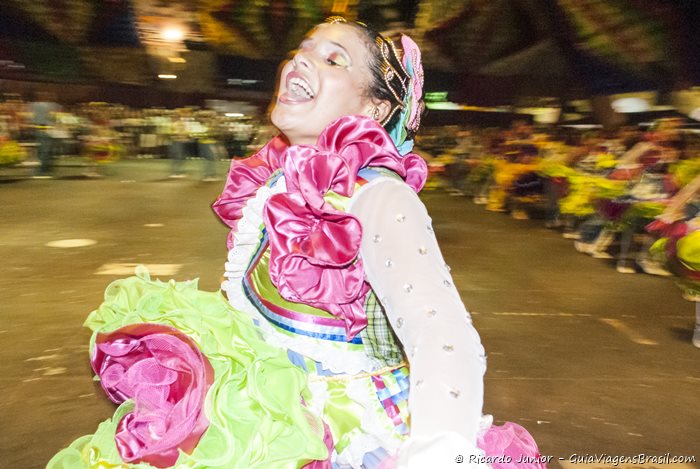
313, 246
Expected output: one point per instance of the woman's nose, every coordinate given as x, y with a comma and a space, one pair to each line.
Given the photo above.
301, 61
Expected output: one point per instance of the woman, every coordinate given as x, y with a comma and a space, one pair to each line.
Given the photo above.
336, 283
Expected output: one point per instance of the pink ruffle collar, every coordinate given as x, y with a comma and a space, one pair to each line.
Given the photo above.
314, 247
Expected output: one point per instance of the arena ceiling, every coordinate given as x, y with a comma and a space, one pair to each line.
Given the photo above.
476, 49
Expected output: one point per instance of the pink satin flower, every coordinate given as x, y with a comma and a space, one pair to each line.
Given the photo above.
313, 246
244, 178
512, 440
167, 377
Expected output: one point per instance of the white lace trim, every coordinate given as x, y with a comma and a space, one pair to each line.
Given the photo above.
246, 239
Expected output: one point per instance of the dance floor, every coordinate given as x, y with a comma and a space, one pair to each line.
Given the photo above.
593, 362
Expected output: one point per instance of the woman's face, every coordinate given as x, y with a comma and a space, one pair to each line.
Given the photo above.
325, 79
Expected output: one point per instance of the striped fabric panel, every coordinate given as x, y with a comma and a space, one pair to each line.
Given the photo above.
392, 392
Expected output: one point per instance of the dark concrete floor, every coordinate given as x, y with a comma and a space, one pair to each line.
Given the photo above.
589, 360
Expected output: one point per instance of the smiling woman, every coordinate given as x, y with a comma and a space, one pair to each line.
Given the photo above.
335, 286
326, 78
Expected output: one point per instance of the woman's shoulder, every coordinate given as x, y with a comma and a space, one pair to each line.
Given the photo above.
382, 190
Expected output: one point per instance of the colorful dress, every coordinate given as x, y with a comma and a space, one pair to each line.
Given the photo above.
301, 367
678, 243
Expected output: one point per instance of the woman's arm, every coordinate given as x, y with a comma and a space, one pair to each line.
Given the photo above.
404, 266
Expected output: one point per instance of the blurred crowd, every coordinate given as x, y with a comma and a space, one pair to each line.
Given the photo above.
42, 132
630, 195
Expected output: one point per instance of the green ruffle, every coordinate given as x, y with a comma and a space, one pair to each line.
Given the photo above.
685, 171
11, 152
254, 405
585, 189
688, 249
657, 251
640, 214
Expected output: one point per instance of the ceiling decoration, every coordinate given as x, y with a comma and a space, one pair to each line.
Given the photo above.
601, 45
264, 29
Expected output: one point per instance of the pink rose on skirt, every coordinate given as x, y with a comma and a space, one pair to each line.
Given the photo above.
513, 441
167, 377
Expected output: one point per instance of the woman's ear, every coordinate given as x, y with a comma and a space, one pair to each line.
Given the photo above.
378, 109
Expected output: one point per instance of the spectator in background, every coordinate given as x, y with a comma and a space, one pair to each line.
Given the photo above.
43, 119
179, 136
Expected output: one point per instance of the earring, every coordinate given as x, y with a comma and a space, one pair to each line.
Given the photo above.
375, 114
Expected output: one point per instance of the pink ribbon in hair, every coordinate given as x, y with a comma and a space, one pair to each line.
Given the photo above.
413, 65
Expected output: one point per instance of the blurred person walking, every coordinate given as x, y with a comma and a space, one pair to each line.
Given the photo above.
204, 130
179, 137
43, 118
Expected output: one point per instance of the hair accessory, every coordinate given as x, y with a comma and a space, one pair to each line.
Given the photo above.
411, 104
403, 76
412, 64
340, 19
335, 19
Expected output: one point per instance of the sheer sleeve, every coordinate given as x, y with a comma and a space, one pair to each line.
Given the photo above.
405, 267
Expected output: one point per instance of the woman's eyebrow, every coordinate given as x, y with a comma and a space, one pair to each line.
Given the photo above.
341, 46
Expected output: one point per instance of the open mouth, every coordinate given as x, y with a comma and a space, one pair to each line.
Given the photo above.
298, 89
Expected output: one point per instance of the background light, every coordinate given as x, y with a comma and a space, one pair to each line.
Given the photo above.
173, 34
166, 76
630, 105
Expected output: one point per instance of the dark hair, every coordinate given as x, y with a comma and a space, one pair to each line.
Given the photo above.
389, 80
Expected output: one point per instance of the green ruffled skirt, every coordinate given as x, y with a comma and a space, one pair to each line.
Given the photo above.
254, 406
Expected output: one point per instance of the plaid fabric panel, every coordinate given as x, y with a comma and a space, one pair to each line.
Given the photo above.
378, 337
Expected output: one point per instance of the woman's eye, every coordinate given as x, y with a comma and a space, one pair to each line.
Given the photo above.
336, 60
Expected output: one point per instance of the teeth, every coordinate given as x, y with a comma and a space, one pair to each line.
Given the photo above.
298, 86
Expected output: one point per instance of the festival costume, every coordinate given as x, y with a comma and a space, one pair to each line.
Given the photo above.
506, 174
302, 367
678, 240
11, 152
